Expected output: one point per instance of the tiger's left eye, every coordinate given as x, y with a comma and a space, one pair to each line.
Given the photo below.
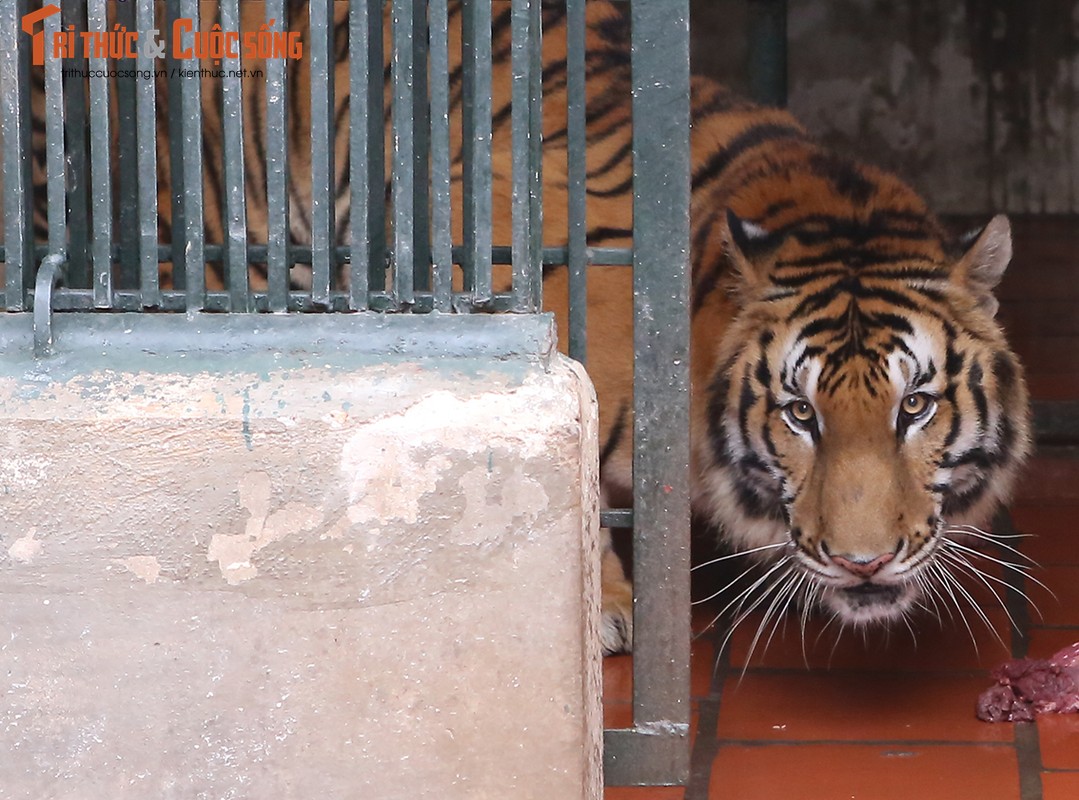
916, 405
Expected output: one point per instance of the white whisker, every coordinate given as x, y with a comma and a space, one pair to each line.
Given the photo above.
1007, 547
946, 581
984, 577
974, 605
741, 553
1019, 568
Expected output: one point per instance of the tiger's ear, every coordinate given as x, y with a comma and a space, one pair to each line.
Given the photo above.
986, 254
749, 249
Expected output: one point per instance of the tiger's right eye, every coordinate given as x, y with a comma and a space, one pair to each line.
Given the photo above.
801, 412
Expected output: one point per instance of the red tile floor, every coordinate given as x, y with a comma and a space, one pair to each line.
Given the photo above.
891, 716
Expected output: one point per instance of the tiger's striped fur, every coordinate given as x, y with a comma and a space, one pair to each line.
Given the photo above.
827, 305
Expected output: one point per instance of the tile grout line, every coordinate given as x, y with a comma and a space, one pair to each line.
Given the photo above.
1027, 747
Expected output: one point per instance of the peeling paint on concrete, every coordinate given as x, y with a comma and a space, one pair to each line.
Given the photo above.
25, 548
23, 472
233, 552
292, 682
494, 508
145, 568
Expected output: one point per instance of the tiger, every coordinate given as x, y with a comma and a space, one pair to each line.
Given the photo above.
856, 412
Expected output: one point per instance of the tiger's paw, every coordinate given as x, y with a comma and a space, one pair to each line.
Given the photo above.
616, 625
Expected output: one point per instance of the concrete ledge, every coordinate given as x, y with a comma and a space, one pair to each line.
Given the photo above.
278, 572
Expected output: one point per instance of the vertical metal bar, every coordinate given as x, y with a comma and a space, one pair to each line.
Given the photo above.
54, 143
523, 40
367, 178
232, 124
176, 87
127, 159
146, 148
441, 220
277, 197
660, 69
323, 183
100, 162
576, 168
421, 200
15, 102
535, 142
404, 162
767, 55
75, 130
476, 145
191, 113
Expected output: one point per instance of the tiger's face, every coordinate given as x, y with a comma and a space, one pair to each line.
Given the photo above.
861, 415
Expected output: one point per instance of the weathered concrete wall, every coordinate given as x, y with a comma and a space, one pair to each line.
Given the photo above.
976, 102
295, 572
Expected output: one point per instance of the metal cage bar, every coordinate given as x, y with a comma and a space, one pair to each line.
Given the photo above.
441, 213
175, 89
527, 221
18, 251
403, 174
100, 161
366, 161
767, 55
323, 173
235, 193
421, 129
127, 158
277, 190
77, 271
476, 146
191, 142
54, 146
146, 142
576, 173
656, 749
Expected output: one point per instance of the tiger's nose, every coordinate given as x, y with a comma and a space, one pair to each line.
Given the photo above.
862, 567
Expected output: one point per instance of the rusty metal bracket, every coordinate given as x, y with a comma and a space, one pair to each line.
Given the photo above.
49, 276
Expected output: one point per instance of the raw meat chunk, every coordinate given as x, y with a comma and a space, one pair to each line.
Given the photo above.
1029, 686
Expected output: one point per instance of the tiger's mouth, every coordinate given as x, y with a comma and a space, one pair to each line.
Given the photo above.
871, 602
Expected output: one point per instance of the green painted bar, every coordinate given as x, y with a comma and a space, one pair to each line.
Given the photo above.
421, 127
77, 271
277, 196
15, 121
232, 147
403, 174
656, 750
441, 214
191, 142
525, 40
100, 163
767, 51
535, 142
476, 147
54, 145
146, 141
577, 175
127, 158
323, 173
367, 222
296, 301
175, 87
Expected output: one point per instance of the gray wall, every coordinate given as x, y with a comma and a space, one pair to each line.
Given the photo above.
973, 101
